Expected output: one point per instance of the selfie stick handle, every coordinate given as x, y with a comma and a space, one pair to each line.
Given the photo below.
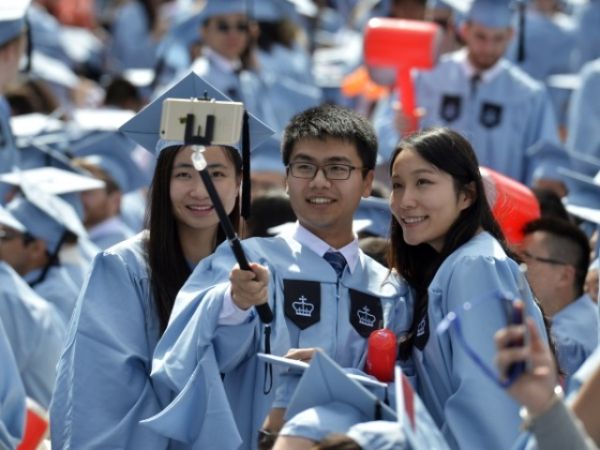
264, 311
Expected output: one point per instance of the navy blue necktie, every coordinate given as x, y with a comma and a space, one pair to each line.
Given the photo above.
337, 261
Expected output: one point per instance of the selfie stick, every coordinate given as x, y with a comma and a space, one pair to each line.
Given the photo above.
199, 143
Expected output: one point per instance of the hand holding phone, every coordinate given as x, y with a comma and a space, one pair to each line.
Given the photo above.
515, 315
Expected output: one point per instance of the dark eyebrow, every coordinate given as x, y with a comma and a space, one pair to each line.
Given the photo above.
332, 160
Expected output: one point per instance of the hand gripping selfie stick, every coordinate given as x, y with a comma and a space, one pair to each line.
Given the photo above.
199, 144
402, 45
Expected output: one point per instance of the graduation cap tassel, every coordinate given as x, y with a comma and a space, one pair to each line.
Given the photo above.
521, 37
246, 167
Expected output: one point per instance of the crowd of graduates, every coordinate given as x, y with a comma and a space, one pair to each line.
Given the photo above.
129, 318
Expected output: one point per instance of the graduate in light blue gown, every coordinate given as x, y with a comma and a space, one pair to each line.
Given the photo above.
49, 222
135, 33
104, 388
499, 108
12, 46
34, 328
12, 397
584, 116
556, 253
450, 249
330, 154
109, 157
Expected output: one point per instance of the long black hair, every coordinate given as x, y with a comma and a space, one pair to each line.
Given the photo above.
166, 262
453, 154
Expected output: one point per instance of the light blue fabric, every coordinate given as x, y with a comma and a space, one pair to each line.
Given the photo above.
584, 116
453, 388
550, 48
110, 232
103, 386
57, 287
575, 329
132, 45
326, 401
526, 116
8, 148
12, 397
244, 87
193, 331
35, 332
587, 17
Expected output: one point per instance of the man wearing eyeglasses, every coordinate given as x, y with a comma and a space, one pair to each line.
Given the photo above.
324, 291
557, 255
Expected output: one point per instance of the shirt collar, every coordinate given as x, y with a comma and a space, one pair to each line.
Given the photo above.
320, 247
486, 75
224, 64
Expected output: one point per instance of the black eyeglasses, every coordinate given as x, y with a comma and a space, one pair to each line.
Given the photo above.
226, 27
308, 171
526, 255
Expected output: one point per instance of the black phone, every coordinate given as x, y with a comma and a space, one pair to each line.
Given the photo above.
515, 315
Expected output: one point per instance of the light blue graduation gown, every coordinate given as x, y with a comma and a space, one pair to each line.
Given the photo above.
470, 409
58, 288
103, 386
587, 17
132, 45
35, 332
110, 232
184, 359
575, 330
8, 149
502, 118
12, 397
584, 116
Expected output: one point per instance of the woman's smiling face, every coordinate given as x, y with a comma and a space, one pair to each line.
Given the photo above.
424, 200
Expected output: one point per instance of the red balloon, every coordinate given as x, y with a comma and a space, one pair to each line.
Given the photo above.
382, 350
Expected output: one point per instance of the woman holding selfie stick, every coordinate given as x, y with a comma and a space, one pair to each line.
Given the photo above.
447, 245
104, 388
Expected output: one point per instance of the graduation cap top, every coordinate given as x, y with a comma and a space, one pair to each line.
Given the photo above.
45, 216
491, 13
145, 126
12, 19
325, 382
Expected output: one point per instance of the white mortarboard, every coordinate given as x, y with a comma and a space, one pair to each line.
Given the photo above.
326, 382
12, 19
377, 212
45, 216
8, 220
52, 180
144, 127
